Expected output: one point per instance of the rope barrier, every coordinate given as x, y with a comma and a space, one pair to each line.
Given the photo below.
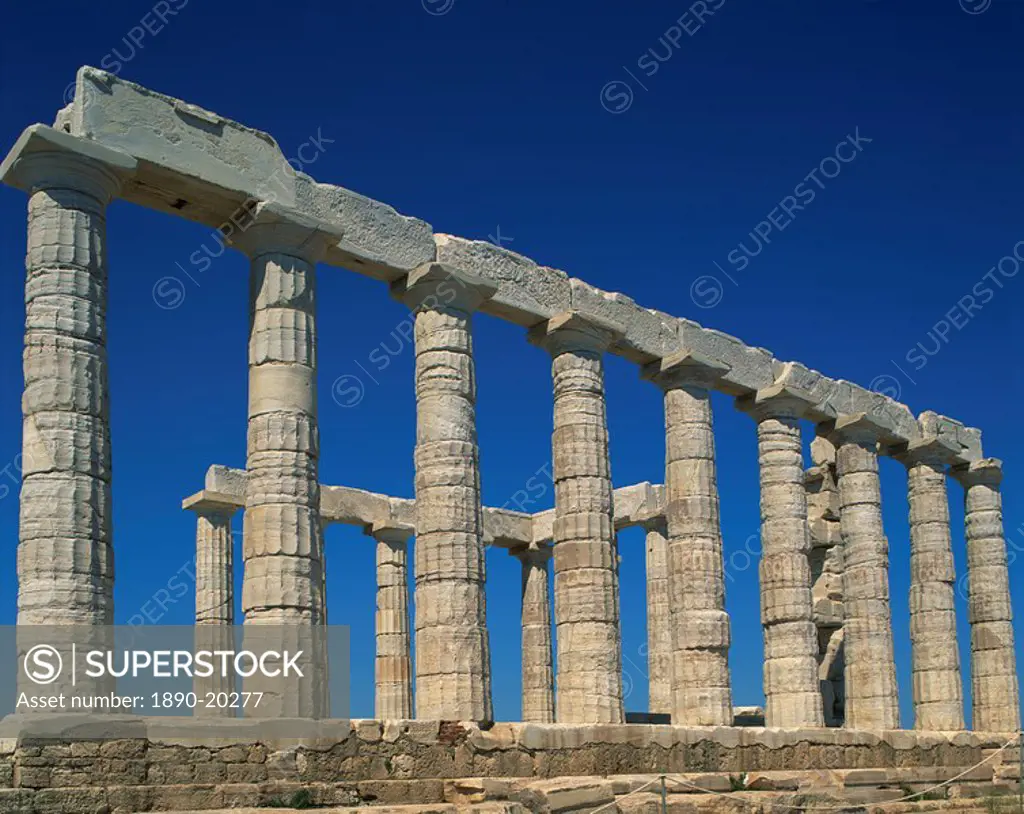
1016, 739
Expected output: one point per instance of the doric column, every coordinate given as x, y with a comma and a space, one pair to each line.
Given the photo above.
65, 553
659, 619
586, 562
282, 533
935, 659
699, 638
791, 688
870, 669
282, 551
453, 680
215, 595
392, 667
538, 678
994, 683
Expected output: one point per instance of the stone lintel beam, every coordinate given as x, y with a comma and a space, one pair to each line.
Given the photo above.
197, 164
965, 440
213, 503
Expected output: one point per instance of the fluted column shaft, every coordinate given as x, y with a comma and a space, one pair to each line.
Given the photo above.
659, 620
215, 604
538, 675
282, 545
453, 680
702, 694
392, 667
870, 669
283, 581
935, 658
995, 690
792, 692
65, 553
589, 685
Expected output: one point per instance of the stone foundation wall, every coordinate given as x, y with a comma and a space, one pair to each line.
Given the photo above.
168, 764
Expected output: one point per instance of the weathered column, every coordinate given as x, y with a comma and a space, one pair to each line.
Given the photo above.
791, 688
283, 580
65, 554
586, 562
701, 691
995, 692
392, 667
659, 619
538, 677
215, 597
870, 669
935, 658
453, 680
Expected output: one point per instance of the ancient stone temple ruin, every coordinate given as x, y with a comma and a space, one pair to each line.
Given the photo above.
829, 670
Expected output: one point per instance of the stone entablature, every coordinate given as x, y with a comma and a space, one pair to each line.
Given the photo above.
224, 492
118, 139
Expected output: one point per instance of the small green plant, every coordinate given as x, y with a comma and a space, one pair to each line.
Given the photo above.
737, 782
303, 798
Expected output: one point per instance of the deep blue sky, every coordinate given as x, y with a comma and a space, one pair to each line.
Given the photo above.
489, 116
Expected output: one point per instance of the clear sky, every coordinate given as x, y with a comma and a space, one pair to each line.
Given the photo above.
634, 145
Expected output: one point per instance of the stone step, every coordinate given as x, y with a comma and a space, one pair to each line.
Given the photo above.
436, 808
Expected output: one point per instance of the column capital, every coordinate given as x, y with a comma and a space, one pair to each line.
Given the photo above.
270, 228
211, 504
45, 158
536, 553
657, 523
685, 369
434, 286
389, 532
573, 331
987, 471
780, 400
933, 451
857, 428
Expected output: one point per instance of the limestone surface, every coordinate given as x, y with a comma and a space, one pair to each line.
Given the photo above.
792, 694
935, 658
393, 664
702, 692
452, 649
659, 619
870, 668
994, 683
537, 670
586, 558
